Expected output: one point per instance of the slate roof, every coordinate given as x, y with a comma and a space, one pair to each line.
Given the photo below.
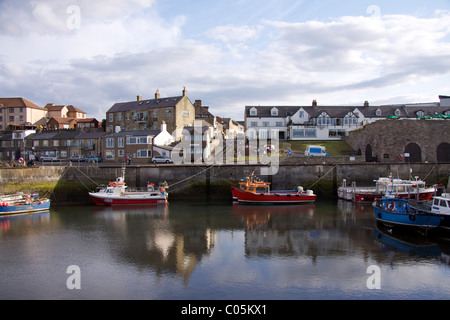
145, 104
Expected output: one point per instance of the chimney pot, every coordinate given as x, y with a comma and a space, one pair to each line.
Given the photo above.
157, 96
314, 103
139, 98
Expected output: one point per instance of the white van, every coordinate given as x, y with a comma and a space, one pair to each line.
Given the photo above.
316, 151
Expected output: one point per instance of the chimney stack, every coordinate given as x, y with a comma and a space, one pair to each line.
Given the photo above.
139, 98
157, 96
184, 91
314, 103
366, 103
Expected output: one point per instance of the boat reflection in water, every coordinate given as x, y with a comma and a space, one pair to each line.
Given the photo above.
412, 245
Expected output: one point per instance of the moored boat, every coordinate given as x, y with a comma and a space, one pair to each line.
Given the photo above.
399, 212
408, 189
116, 193
255, 191
20, 203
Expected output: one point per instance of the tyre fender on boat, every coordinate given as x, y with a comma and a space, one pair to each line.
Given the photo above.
391, 206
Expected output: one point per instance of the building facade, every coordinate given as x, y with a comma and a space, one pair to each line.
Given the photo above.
142, 115
331, 122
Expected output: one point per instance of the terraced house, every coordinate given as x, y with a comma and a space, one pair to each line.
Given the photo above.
331, 122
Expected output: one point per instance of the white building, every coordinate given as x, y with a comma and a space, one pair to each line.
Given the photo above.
330, 122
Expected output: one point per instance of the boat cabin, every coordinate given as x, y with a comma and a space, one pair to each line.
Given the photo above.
255, 186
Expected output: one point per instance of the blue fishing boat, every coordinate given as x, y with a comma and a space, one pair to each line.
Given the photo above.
22, 203
395, 211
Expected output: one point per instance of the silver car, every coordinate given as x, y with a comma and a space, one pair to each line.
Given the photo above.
161, 159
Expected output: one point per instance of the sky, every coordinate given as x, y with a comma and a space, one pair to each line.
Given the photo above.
228, 53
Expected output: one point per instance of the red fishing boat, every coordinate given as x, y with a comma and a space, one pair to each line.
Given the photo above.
255, 191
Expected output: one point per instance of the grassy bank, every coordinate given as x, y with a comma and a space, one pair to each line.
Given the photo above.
334, 148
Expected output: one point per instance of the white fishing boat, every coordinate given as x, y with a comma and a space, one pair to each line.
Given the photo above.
117, 193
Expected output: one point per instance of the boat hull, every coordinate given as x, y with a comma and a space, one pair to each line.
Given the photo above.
371, 197
418, 220
124, 200
271, 198
43, 205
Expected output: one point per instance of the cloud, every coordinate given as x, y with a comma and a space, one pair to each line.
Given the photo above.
121, 50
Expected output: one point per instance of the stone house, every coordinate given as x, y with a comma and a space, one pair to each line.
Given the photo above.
136, 145
142, 115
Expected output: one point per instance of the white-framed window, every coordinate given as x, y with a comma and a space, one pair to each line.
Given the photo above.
378, 113
109, 155
138, 140
420, 114
274, 112
111, 117
253, 124
253, 112
397, 113
120, 142
144, 153
110, 142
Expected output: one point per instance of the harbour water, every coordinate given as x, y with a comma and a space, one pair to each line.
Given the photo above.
217, 251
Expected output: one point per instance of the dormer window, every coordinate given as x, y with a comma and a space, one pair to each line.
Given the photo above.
397, 113
420, 114
274, 112
253, 112
378, 113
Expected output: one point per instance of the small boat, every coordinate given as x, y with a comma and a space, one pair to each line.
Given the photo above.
409, 189
20, 203
255, 191
391, 211
116, 193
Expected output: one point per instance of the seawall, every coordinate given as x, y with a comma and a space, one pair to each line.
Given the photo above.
201, 182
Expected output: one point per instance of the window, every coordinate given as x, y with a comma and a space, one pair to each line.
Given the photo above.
111, 117
144, 153
420, 114
378, 113
155, 115
274, 112
266, 124
119, 115
253, 124
56, 143
397, 113
138, 140
279, 124
11, 110
120, 142
168, 113
185, 113
253, 112
110, 142
109, 155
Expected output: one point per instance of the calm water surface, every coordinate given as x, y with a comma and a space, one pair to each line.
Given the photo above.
217, 251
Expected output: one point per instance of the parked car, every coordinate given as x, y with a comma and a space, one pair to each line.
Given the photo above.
93, 158
49, 158
161, 159
77, 158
